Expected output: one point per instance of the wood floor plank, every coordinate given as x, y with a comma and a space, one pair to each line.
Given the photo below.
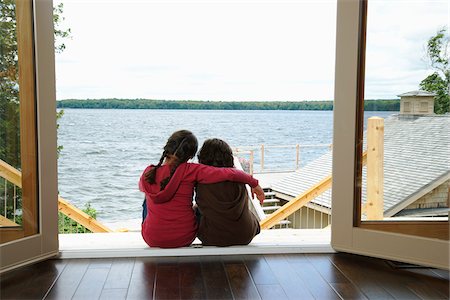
113, 294
101, 263
399, 291
169, 294
326, 268
68, 281
142, 281
318, 286
271, 292
260, 270
91, 284
288, 279
241, 283
370, 283
425, 291
382, 275
167, 280
47, 277
214, 278
191, 279
119, 275
32, 281
348, 291
445, 274
429, 277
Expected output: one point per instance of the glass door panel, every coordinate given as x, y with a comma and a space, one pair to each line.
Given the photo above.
385, 202
404, 177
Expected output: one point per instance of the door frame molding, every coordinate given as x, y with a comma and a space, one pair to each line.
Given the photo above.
344, 235
44, 244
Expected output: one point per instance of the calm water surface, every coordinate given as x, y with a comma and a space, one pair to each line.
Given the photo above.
105, 151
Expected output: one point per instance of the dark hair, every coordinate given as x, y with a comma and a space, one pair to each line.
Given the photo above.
182, 146
217, 153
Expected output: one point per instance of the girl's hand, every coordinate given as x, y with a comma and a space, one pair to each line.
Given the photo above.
258, 191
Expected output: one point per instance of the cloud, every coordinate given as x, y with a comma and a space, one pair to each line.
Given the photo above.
238, 50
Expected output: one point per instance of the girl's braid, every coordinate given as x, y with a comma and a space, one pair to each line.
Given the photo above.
150, 176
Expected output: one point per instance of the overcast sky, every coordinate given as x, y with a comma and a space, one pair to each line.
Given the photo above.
236, 50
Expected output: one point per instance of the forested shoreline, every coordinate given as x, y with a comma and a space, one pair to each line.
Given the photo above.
369, 105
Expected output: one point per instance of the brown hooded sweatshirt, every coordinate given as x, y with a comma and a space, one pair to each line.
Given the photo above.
226, 219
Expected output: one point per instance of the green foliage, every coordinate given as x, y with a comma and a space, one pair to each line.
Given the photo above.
9, 90
378, 105
60, 34
382, 105
439, 82
434, 83
9, 97
67, 225
9, 78
59, 115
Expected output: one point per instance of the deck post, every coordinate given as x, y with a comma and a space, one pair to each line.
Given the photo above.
375, 168
262, 158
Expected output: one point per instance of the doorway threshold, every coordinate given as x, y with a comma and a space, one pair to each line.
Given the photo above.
131, 244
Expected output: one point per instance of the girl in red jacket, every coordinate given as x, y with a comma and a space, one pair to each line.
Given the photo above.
169, 187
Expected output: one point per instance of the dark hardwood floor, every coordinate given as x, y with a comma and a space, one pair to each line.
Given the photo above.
294, 276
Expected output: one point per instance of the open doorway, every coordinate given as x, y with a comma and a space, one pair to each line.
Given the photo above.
267, 53
249, 73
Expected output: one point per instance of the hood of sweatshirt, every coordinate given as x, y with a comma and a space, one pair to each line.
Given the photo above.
171, 188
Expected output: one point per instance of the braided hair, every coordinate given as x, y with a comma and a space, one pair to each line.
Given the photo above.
217, 153
181, 146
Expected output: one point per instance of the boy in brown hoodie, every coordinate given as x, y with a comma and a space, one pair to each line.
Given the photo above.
225, 218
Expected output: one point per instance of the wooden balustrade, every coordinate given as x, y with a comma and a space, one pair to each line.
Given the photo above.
10, 173
296, 203
299, 201
15, 177
80, 216
375, 170
262, 150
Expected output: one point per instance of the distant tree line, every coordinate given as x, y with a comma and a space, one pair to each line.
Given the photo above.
369, 105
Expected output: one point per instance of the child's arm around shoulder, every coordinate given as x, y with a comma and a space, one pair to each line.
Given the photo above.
208, 174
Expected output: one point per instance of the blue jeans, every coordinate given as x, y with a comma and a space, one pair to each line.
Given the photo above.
144, 210
198, 215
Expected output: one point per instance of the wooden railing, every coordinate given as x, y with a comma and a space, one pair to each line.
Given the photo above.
261, 149
373, 158
298, 202
14, 176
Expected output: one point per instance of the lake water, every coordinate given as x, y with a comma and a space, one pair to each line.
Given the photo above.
105, 151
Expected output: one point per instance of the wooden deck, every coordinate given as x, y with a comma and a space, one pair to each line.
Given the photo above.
295, 276
131, 244
266, 179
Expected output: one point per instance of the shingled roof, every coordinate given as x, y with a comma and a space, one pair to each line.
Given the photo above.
416, 160
416, 93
